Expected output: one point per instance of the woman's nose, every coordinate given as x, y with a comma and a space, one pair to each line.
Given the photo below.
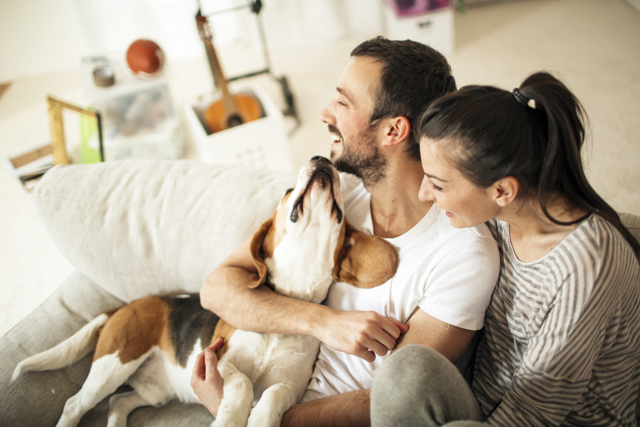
425, 194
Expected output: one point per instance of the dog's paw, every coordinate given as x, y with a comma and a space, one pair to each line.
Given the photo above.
263, 417
231, 416
229, 421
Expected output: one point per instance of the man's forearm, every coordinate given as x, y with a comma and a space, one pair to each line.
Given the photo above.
363, 334
347, 409
224, 294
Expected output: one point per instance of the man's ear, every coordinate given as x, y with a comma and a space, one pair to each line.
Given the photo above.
258, 244
505, 191
397, 130
366, 261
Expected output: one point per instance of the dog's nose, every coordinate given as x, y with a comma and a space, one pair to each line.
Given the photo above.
320, 159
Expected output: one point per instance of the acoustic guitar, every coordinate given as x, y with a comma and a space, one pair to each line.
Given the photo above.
230, 110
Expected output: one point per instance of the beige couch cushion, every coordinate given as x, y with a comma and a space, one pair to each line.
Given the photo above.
140, 227
632, 222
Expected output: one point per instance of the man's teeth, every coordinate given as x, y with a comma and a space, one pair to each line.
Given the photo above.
336, 138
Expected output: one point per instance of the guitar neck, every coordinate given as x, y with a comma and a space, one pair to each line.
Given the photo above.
219, 79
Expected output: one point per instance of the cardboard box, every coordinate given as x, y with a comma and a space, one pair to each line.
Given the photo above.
260, 143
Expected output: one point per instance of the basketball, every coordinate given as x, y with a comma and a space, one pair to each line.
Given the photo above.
145, 57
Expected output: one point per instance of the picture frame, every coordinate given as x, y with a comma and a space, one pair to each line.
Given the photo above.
30, 164
60, 148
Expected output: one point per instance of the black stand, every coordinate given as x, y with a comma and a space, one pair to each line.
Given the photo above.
255, 6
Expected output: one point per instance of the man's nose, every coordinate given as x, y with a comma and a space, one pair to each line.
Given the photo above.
327, 116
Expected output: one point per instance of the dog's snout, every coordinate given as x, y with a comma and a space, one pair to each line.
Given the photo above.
320, 159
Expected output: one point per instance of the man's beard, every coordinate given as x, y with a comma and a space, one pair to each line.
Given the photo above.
369, 164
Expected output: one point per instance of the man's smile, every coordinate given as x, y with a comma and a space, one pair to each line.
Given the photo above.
336, 136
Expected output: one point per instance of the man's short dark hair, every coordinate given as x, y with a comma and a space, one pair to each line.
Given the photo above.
413, 76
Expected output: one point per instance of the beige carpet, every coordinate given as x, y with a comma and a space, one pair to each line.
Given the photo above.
592, 45
3, 88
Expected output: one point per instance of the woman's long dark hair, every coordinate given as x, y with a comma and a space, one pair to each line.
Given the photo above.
534, 136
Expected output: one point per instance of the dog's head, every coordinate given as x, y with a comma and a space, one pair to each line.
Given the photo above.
308, 242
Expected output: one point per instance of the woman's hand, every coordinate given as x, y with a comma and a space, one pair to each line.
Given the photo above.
206, 381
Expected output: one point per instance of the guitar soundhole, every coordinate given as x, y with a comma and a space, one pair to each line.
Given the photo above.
234, 120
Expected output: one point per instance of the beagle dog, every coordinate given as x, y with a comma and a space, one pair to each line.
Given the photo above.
152, 343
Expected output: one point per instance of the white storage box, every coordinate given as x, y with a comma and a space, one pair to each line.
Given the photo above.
433, 28
138, 117
260, 143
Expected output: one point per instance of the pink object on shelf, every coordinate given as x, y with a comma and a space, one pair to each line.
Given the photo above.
416, 7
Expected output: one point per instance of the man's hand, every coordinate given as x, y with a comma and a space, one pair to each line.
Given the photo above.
206, 381
363, 334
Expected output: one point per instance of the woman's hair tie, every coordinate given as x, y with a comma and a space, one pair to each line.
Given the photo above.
527, 102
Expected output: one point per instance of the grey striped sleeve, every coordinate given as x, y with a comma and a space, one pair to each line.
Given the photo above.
562, 338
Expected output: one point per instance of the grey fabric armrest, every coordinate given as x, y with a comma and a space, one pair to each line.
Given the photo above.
632, 222
37, 398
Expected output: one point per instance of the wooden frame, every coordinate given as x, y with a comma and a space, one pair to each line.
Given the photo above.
56, 124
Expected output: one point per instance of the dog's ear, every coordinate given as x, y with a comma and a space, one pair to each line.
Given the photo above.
365, 261
260, 248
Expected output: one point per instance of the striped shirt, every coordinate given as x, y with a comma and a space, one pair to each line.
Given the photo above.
562, 333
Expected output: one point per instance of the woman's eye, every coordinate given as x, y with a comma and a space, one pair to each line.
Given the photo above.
435, 187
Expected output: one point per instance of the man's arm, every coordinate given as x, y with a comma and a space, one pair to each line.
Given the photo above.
448, 340
224, 292
343, 409
353, 408
346, 409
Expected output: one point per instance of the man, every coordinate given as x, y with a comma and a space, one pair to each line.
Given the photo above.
445, 277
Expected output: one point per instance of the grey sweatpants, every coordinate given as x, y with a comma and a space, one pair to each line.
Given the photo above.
417, 386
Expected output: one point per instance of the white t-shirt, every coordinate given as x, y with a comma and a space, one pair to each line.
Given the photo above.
449, 273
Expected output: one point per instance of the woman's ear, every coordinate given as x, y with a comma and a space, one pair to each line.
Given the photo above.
397, 130
505, 191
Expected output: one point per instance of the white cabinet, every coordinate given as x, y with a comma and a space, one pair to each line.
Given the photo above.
138, 116
433, 28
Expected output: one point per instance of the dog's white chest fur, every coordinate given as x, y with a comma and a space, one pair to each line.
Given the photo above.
308, 280
268, 359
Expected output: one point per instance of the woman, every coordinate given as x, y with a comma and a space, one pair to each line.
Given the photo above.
562, 331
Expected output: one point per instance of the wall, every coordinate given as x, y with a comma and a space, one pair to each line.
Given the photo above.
37, 37
46, 36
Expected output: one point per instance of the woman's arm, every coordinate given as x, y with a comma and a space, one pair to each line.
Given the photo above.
580, 356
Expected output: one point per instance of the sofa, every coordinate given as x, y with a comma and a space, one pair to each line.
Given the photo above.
131, 228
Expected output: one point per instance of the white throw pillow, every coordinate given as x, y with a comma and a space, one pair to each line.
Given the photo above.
141, 227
